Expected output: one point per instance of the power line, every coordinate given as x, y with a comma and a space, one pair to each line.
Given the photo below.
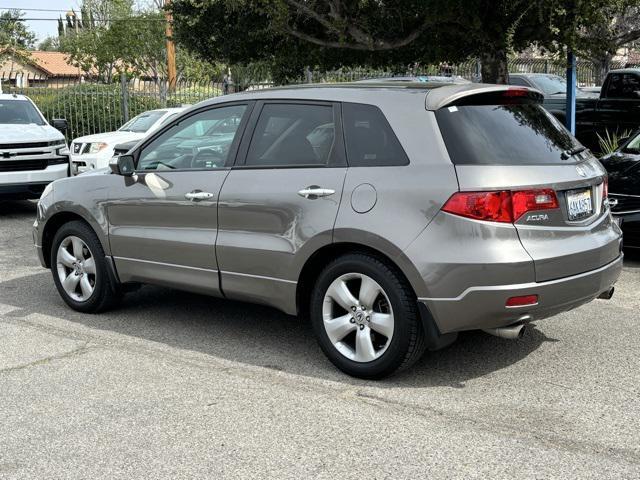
36, 9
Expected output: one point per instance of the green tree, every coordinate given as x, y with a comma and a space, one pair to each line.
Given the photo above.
331, 33
49, 44
15, 37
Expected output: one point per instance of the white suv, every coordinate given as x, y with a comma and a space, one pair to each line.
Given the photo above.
95, 151
32, 152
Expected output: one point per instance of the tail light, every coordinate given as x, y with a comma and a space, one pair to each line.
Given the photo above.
502, 206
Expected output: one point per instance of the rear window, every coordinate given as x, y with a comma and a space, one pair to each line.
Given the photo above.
503, 135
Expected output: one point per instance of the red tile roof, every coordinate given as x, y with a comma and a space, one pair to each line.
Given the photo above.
54, 64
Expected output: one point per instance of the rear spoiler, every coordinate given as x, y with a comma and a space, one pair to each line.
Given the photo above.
478, 94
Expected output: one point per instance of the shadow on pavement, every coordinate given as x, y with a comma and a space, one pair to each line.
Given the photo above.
259, 335
11, 208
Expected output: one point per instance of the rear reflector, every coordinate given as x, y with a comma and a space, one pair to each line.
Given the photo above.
502, 206
523, 301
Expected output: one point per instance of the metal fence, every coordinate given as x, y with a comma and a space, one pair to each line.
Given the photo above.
93, 107
587, 74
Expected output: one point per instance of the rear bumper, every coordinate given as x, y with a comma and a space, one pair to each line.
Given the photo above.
484, 306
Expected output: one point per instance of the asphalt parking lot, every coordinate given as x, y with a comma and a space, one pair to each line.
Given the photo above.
175, 385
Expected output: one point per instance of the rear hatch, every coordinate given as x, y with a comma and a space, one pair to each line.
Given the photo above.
506, 142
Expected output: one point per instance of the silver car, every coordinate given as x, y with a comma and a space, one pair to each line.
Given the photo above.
393, 216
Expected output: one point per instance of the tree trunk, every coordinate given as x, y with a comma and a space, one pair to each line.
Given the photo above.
495, 68
602, 66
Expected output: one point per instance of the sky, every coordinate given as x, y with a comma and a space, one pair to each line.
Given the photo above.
45, 28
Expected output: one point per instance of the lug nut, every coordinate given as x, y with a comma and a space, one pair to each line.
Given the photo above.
368, 319
361, 327
353, 308
353, 320
363, 307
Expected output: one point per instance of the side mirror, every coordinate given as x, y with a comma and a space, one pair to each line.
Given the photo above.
122, 165
60, 124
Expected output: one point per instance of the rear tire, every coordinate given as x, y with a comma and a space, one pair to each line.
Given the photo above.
365, 316
79, 269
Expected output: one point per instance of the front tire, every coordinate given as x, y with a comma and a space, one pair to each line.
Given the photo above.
365, 317
79, 269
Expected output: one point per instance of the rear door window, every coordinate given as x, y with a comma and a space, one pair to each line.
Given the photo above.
369, 139
294, 135
504, 135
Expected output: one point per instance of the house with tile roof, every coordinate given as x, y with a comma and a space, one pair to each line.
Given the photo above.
41, 69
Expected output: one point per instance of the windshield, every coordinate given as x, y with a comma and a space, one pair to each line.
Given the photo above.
504, 135
19, 112
142, 122
551, 84
633, 146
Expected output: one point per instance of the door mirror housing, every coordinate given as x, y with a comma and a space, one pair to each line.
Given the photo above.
60, 124
123, 165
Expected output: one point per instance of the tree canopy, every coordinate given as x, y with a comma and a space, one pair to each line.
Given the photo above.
289, 34
15, 37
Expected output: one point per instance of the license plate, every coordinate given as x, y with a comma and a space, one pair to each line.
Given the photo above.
579, 204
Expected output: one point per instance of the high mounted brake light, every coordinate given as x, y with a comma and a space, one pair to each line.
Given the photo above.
516, 92
500, 206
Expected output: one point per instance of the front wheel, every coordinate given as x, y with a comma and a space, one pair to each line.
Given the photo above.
79, 269
365, 317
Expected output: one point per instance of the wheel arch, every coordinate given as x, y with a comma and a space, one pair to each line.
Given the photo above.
54, 223
321, 257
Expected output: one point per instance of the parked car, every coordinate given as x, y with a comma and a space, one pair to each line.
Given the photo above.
552, 86
32, 152
624, 188
95, 151
614, 111
394, 216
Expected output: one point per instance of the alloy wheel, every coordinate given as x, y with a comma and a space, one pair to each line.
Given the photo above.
76, 268
358, 317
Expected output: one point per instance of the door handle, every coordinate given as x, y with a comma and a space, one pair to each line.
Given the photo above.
198, 196
314, 191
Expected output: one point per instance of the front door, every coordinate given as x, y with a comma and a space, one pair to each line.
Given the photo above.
280, 203
163, 220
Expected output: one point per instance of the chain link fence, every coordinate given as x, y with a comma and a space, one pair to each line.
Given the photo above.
93, 107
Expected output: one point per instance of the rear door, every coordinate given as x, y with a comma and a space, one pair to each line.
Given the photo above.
280, 203
565, 226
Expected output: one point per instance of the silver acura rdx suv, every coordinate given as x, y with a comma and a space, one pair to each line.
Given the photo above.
392, 215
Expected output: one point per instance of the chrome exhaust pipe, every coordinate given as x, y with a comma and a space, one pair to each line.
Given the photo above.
510, 332
608, 294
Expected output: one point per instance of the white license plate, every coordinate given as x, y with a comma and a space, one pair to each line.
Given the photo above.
579, 204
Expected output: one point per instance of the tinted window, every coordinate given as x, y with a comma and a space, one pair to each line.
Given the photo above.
143, 122
194, 143
369, 138
518, 81
19, 112
623, 85
292, 135
503, 135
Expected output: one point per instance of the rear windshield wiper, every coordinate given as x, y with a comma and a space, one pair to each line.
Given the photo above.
567, 154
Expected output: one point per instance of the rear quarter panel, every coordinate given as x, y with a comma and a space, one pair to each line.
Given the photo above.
407, 197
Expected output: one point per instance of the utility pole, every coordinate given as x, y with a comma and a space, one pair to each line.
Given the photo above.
171, 49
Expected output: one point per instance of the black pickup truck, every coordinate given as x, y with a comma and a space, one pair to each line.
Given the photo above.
616, 110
